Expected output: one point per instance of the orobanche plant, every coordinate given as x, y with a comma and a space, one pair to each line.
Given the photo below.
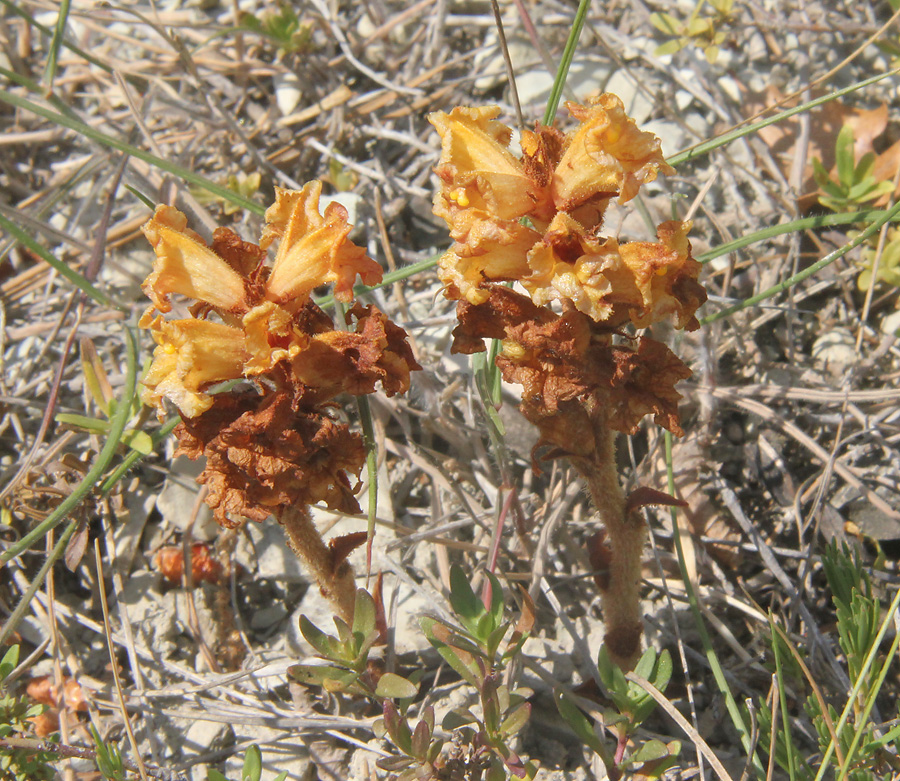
537, 221
272, 444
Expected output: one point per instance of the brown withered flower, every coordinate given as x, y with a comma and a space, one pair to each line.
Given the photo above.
536, 220
272, 446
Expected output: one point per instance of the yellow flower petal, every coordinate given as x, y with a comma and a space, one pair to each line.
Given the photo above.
191, 355
607, 155
314, 250
271, 337
570, 264
476, 167
185, 265
493, 251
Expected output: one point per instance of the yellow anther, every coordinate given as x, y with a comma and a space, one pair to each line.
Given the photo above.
662, 271
459, 197
169, 348
513, 350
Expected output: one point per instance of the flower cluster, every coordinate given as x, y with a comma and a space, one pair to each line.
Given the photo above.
270, 444
536, 220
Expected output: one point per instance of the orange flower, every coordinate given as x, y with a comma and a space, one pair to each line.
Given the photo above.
535, 219
264, 318
191, 355
607, 156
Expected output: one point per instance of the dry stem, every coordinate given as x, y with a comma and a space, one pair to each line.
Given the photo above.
626, 535
337, 584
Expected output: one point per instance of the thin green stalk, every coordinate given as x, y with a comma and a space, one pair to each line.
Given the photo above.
133, 456
114, 143
36, 582
806, 223
562, 72
782, 700
706, 147
61, 268
17, 9
719, 675
830, 258
59, 35
368, 427
117, 426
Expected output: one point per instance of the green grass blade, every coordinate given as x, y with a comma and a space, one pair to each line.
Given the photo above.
863, 719
706, 147
830, 258
114, 143
61, 268
368, 427
713, 660
562, 72
59, 35
782, 701
134, 456
117, 426
16, 9
13, 621
806, 223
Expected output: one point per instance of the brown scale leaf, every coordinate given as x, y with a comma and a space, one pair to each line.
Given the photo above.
264, 456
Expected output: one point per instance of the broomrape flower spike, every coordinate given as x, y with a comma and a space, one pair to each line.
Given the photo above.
536, 220
271, 445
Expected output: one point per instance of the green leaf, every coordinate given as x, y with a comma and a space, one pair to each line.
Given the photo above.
321, 642
670, 47
397, 727
363, 613
93, 425
666, 23
332, 679
9, 662
516, 720
843, 156
614, 680
139, 441
214, 775
463, 600
252, 770
663, 672
490, 704
650, 751
395, 686
580, 725
421, 738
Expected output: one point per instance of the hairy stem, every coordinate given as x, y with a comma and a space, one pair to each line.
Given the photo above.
337, 584
626, 534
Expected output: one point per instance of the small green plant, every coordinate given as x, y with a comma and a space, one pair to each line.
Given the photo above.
633, 705
473, 649
100, 390
703, 32
252, 769
888, 266
860, 752
19, 763
245, 185
855, 185
108, 758
283, 27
